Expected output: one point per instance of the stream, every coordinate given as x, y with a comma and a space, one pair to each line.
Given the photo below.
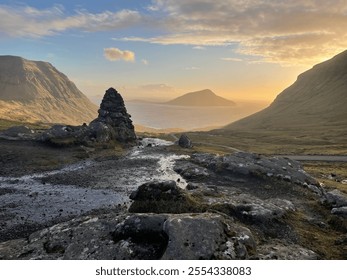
46, 198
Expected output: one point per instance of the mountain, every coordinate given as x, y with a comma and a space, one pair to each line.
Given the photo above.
201, 98
317, 101
34, 91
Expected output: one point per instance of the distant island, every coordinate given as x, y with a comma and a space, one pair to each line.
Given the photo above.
203, 98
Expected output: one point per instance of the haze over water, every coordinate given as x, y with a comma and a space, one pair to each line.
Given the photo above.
162, 116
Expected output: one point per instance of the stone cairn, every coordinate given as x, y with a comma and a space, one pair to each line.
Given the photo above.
113, 113
113, 123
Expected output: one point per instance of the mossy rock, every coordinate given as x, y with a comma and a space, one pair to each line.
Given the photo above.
163, 197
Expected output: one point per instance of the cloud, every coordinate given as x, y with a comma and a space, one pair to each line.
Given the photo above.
114, 54
232, 59
285, 32
192, 68
199, 48
26, 21
145, 61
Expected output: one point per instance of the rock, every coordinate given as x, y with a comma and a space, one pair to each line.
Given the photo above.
101, 132
136, 236
65, 135
282, 251
18, 133
205, 236
191, 171
162, 197
113, 114
81, 238
340, 211
244, 164
112, 124
142, 236
185, 142
336, 198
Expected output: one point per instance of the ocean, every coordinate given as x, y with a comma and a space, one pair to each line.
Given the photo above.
162, 116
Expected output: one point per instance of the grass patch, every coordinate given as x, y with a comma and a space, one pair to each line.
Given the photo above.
329, 173
5, 124
319, 239
275, 142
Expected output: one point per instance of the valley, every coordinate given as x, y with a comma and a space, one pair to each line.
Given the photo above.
272, 185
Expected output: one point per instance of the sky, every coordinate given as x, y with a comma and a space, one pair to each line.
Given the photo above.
160, 49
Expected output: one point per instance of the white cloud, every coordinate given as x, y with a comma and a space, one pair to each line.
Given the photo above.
199, 48
25, 21
192, 68
114, 54
234, 59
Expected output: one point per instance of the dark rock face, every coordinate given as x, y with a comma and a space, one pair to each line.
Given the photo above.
113, 123
113, 113
185, 142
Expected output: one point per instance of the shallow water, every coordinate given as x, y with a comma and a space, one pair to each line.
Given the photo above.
165, 165
28, 199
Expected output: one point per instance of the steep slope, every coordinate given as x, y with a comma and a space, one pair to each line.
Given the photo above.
36, 91
201, 98
317, 100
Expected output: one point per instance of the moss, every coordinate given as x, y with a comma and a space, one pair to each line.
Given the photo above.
320, 239
183, 204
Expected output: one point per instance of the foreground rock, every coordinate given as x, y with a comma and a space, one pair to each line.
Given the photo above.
240, 206
112, 124
138, 236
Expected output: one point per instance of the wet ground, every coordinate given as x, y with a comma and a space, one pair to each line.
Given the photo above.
37, 200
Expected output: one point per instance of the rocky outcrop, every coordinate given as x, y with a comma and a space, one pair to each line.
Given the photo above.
18, 133
239, 206
242, 164
112, 124
136, 236
162, 197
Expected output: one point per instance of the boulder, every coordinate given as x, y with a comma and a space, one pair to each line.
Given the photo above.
18, 133
162, 197
336, 198
185, 142
205, 236
65, 135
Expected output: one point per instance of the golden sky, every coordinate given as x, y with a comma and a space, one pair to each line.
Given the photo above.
240, 49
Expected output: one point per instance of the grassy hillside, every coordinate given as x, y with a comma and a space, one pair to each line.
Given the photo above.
316, 102
5, 124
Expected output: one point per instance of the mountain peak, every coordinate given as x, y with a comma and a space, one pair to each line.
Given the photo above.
41, 93
203, 98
